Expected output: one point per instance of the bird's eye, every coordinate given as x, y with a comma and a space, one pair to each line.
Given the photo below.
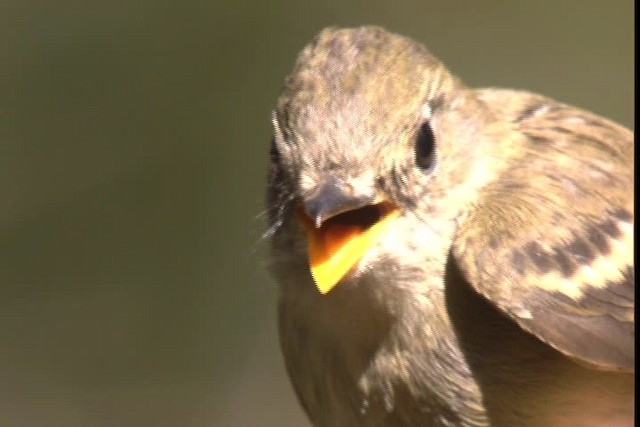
425, 147
274, 154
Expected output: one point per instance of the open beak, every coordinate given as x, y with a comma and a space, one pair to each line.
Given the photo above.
340, 229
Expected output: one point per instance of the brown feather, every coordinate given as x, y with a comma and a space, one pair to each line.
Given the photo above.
551, 242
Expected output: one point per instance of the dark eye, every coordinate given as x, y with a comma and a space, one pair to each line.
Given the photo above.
274, 155
425, 147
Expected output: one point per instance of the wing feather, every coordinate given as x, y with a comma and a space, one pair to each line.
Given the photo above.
551, 242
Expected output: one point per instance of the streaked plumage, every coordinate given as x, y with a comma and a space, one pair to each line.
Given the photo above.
500, 289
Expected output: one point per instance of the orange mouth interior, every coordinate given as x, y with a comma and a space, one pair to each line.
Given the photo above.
336, 246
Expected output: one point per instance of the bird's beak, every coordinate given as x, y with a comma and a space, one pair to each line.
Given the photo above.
340, 229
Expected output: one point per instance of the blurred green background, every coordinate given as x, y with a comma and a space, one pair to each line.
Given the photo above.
134, 139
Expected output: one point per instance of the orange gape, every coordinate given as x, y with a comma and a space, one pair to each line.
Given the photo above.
334, 248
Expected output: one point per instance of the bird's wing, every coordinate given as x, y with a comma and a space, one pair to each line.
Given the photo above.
551, 242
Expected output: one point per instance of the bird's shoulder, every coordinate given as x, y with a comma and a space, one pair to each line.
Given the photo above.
550, 242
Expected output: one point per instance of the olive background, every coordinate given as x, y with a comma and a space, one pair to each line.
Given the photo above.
133, 148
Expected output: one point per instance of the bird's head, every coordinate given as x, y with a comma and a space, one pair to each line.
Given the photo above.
371, 128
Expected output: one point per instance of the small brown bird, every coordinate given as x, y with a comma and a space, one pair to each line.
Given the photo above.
447, 256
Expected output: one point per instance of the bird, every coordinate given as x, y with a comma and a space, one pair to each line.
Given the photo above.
444, 255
